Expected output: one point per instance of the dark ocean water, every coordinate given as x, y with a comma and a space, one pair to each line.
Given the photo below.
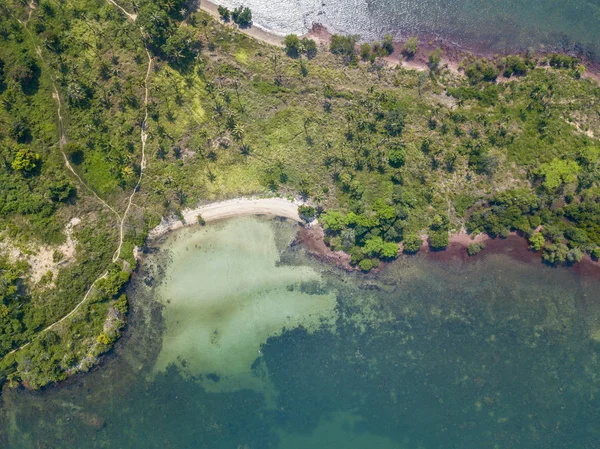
434, 352
491, 26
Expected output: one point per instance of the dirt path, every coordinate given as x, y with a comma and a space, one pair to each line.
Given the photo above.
131, 16
56, 323
143, 137
61, 142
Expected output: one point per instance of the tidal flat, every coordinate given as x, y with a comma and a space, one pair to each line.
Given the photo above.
239, 339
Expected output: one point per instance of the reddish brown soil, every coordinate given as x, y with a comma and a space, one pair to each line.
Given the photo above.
312, 239
452, 53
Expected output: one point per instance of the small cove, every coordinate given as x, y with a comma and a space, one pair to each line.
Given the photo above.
430, 353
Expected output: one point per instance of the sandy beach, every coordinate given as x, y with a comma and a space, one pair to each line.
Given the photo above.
254, 31
312, 237
220, 210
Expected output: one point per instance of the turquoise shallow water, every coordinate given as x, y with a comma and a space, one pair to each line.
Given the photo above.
434, 352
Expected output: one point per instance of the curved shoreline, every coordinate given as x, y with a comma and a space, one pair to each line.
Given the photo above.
453, 53
312, 236
237, 207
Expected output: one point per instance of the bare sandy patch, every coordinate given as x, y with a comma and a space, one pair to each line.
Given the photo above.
41, 261
220, 210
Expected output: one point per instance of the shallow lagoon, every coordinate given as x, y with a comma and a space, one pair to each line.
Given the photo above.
434, 352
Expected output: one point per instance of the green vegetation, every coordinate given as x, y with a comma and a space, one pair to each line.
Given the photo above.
516, 65
412, 244
537, 241
475, 248
345, 47
242, 16
410, 47
382, 155
223, 13
481, 70
294, 46
307, 213
434, 59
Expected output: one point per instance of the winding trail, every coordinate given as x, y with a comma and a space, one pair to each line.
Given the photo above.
68, 315
62, 141
131, 16
143, 137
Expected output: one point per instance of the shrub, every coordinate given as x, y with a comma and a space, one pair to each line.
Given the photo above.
121, 305
104, 339
474, 248
563, 61
555, 254
389, 250
377, 247
397, 156
367, 265
481, 70
57, 256
537, 241
574, 256
578, 71
411, 243
596, 254
224, 13
114, 281
388, 44
292, 45
201, 221
25, 161
462, 203
356, 255
558, 172
343, 45
242, 16
410, 47
333, 221
434, 59
535, 221
308, 47
365, 51
295, 46
515, 65
438, 240
307, 213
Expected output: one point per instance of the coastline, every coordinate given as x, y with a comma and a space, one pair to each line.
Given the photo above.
452, 52
237, 207
311, 235
255, 31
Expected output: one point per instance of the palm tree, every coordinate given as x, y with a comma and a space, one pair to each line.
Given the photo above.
169, 5
238, 132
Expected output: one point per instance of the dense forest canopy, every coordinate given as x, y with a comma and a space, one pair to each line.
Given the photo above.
382, 155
